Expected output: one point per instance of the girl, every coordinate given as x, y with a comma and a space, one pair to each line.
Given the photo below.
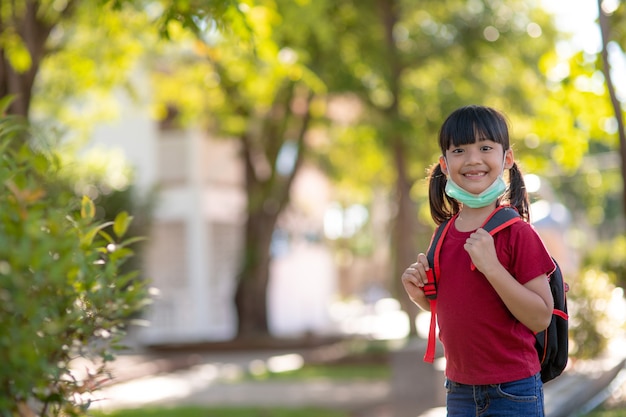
487, 315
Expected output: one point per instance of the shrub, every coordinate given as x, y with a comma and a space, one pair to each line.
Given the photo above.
596, 301
63, 297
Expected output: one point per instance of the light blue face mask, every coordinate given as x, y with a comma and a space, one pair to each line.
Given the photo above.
488, 196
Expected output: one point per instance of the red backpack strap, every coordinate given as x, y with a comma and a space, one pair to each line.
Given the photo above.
501, 218
433, 262
429, 355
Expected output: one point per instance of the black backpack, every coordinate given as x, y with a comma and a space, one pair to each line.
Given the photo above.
552, 343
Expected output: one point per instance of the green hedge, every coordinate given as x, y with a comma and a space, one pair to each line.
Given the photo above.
63, 296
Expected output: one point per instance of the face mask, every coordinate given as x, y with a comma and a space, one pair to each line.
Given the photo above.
491, 194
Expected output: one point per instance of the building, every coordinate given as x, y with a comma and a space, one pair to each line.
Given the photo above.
193, 247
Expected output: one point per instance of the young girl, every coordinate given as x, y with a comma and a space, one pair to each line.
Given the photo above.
487, 315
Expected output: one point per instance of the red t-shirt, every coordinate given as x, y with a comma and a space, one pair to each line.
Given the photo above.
483, 342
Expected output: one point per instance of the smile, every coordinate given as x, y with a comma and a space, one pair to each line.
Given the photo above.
474, 174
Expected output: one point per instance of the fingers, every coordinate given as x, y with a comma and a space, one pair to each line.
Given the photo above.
413, 280
421, 259
415, 274
478, 238
480, 247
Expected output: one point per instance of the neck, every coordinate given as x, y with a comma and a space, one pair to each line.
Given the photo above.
472, 218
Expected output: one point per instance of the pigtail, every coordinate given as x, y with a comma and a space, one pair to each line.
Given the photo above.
442, 207
517, 194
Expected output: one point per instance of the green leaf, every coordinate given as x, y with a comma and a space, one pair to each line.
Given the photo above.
122, 221
107, 236
87, 209
5, 102
130, 241
88, 237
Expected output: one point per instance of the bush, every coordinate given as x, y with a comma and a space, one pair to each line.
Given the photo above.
596, 301
589, 320
62, 295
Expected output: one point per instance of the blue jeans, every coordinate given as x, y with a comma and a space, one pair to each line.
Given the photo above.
511, 399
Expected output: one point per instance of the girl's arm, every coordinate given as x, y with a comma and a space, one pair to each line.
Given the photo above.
531, 303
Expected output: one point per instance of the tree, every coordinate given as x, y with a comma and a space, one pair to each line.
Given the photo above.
577, 127
265, 99
29, 25
413, 63
605, 30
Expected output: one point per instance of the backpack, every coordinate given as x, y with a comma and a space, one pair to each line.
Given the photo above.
551, 343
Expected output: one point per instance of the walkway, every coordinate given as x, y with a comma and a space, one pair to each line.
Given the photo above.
213, 379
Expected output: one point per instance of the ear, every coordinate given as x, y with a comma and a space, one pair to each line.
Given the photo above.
509, 158
443, 164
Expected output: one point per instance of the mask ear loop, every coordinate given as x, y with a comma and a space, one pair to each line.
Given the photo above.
508, 185
504, 159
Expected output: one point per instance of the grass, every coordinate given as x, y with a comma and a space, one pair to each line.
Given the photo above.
335, 372
362, 359
608, 413
221, 412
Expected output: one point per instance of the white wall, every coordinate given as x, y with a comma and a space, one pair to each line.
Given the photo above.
192, 252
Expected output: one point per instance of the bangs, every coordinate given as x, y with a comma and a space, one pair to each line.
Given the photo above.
473, 123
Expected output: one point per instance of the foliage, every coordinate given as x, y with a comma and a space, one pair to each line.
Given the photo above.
223, 412
64, 299
592, 291
576, 129
610, 257
84, 76
618, 412
595, 297
594, 302
430, 36
105, 176
32, 31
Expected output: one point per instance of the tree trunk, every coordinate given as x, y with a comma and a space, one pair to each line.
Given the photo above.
34, 32
406, 218
252, 283
617, 108
267, 198
405, 230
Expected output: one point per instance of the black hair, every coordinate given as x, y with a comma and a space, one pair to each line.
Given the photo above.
465, 126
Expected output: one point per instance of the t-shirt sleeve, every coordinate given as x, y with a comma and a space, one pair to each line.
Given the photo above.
529, 257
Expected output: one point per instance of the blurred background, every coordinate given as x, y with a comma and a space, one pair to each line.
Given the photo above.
274, 153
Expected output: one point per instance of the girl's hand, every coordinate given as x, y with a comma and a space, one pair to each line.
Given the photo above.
413, 280
482, 250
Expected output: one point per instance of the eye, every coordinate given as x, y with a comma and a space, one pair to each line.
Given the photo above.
457, 150
486, 148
